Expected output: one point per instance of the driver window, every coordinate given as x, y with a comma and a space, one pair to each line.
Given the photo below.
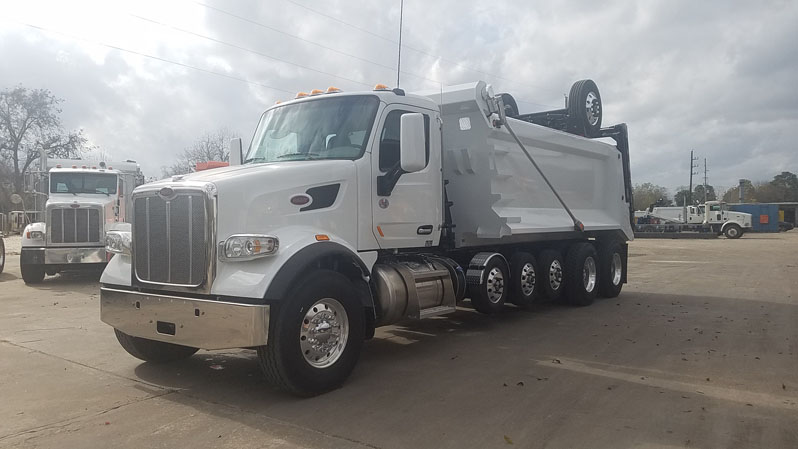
389, 139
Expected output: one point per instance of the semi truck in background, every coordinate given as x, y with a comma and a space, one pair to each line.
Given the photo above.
79, 201
351, 211
711, 217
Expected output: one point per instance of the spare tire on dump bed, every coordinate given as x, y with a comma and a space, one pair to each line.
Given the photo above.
584, 109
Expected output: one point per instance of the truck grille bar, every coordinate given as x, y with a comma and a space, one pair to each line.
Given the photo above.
170, 238
71, 225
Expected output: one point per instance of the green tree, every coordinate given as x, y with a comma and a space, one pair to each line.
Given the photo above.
786, 186
698, 193
647, 193
29, 125
682, 196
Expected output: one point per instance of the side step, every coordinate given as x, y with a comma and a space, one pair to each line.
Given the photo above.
435, 311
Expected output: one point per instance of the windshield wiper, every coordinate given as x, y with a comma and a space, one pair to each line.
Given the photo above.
308, 155
254, 159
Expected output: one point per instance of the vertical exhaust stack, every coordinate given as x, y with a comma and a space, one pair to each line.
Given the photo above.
742, 190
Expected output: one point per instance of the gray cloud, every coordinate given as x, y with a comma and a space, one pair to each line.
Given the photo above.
714, 76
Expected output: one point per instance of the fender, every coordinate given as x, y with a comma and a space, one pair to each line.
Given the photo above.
304, 259
726, 224
37, 243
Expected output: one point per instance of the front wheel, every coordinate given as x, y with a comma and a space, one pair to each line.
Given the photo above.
733, 231
315, 337
32, 274
151, 350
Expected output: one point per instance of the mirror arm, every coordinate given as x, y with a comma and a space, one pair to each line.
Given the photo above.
386, 182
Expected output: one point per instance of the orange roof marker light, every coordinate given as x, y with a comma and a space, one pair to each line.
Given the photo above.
301, 95
381, 87
316, 92
278, 102
332, 90
322, 237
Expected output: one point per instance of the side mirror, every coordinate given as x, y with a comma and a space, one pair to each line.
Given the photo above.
413, 156
235, 151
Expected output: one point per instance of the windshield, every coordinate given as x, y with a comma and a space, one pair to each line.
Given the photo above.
328, 128
82, 183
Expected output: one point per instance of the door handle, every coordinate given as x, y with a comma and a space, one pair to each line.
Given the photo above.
424, 230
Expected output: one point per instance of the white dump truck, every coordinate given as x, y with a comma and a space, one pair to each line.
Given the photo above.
352, 211
712, 217
83, 199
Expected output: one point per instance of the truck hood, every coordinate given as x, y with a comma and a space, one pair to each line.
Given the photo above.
256, 198
84, 200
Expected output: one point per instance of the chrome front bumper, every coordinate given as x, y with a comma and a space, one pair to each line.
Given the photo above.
199, 323
59, 256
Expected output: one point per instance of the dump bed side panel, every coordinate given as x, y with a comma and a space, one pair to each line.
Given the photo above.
497, 193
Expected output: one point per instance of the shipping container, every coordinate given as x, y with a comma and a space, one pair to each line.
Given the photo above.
764, 217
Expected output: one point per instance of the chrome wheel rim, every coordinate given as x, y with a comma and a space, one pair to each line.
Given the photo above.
527, 279
589, 274
495, 285
555, 274
732, 232
592, 108
617, 269
324, 332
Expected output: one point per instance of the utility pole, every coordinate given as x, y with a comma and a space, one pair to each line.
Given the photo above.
692, 166
705, 180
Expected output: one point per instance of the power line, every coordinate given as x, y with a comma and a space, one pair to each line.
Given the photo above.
276, 30
408, 47
146, 19
157, 58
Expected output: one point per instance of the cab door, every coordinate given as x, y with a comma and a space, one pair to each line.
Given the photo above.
407, 207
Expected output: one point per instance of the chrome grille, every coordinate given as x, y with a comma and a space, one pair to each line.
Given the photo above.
74, 225
170, 239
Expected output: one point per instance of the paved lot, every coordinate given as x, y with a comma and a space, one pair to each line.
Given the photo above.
698, 351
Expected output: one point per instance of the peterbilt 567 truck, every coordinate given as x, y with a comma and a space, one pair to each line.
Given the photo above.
83, 199
712, 217
351, 211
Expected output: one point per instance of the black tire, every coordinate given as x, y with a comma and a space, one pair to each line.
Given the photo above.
510, 106
32, 274
552, 274
523, 279
733, 231
2, 255
490, 296
584, 119
581, 274
153, 351
612, 268
283, 361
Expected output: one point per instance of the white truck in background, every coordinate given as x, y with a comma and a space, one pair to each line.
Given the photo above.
83, 200
711, 217
352, 211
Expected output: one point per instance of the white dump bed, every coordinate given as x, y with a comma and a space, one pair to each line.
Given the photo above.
498, 194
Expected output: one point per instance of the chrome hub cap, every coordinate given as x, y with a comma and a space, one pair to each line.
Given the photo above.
324, 331
732, 232
527, 279
592, 108
495, 285
589, 274
555, 275
617, 269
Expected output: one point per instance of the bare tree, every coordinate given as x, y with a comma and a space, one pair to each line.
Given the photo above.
212, 146
30, 124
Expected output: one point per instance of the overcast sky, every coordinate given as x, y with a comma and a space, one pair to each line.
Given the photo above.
720, 77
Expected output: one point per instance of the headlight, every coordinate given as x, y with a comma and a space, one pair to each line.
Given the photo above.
248, 247
36, 235
118, 242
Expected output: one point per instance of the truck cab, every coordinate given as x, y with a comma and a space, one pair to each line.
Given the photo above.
721, 219
83, 201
